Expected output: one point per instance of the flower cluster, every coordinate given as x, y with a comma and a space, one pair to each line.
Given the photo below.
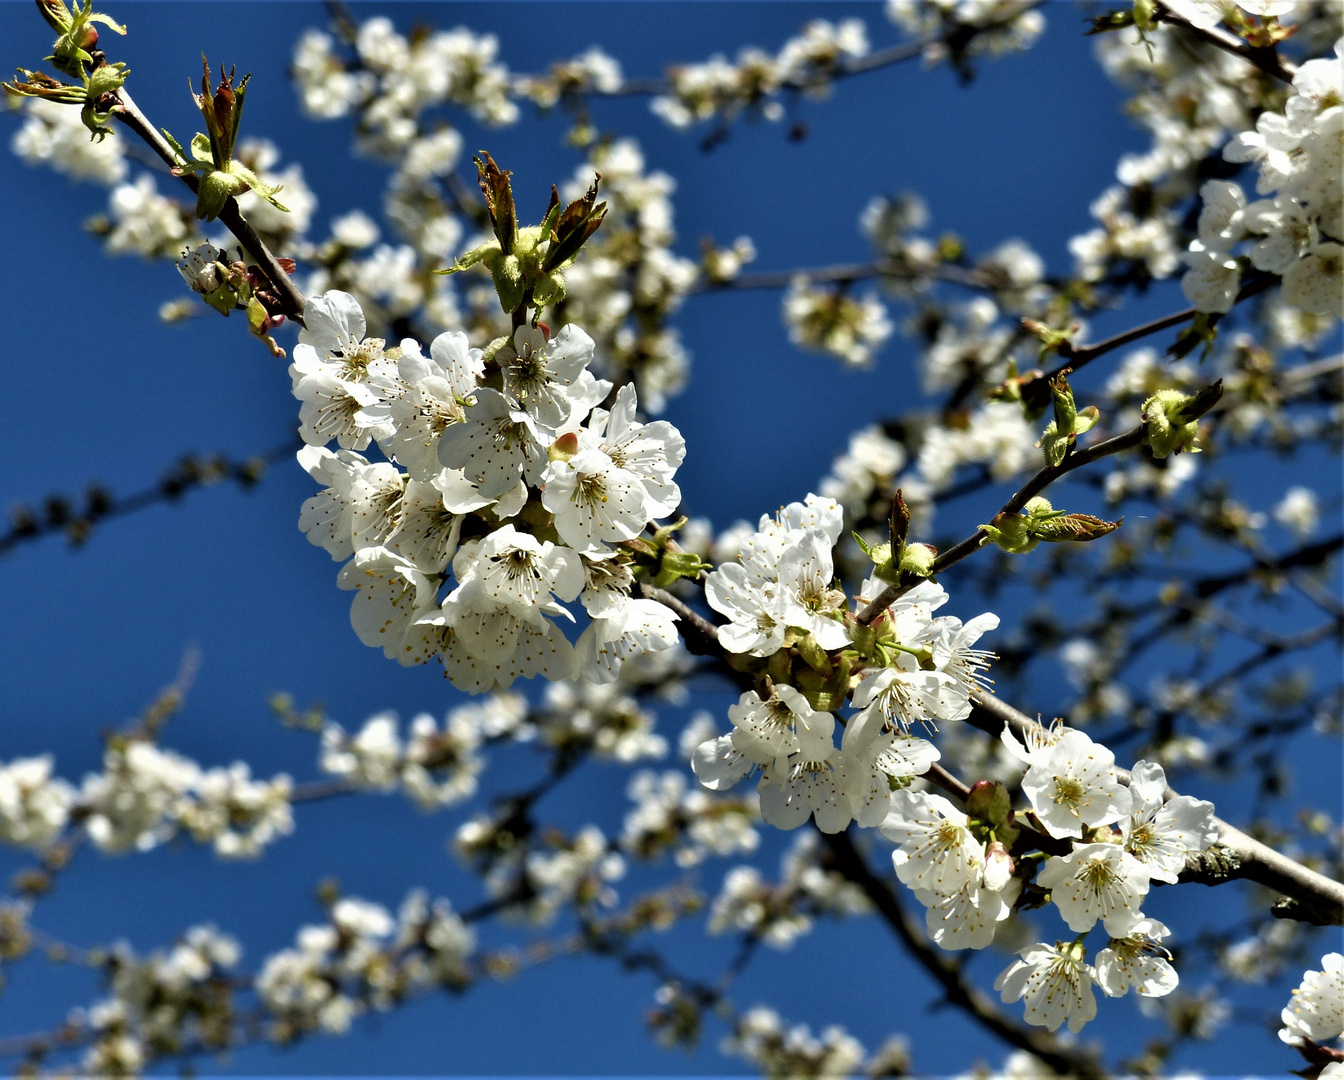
630, 280
362, 958
1299, 226
434, 767
144, 796
781, 912
991, 27
779, 595
830, 320
690, 822
162, 1003
720, 90
1122, 838
513, 476
761, 1038
397, 78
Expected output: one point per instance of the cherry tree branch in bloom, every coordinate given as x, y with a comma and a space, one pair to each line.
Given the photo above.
1318, 899
60, 515
850, 862
1267, 59
1033, 487
291, 299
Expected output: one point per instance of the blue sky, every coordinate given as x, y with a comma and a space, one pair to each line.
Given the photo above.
106, 392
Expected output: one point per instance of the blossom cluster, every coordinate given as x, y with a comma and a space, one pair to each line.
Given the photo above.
719, 89
997, 26
835, 322
781, 912
921, 670
434, 767
362, 958
513, 476
1299, 225
144, 796
1122, 838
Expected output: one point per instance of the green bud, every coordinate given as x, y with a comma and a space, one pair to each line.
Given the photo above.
214, 192
1011, 532
1077, 528
813, 654
509, 283
549, 289
918, 559
1145, 15
1171, 419
989, 801
884, 562
678, 564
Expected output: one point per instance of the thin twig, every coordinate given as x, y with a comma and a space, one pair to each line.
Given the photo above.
1030, 490
291, 299
1267, 60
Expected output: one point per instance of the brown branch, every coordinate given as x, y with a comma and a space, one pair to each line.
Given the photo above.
1030, 490
964, 34
1267, 60
1080, 356
291, 299
100, 505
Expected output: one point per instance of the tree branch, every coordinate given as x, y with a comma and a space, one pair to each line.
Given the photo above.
1030, 490
291, 299
99, 505
1267, 60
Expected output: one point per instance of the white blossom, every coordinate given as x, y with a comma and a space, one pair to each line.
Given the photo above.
1056, 984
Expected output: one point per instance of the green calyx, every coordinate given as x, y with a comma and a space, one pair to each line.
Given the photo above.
1069, 422
990, 809
659, 561
526, 264
1171, 419
211, 155
896, 559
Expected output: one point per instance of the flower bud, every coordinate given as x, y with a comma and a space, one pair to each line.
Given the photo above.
998, 866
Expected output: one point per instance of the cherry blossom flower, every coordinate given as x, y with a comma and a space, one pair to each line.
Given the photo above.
1096, 882
1161, 834
1075, 786
1317, 1009
1137, 960
937, 851
781, 726
1056, 984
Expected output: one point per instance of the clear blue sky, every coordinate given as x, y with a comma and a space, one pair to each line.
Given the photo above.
98, 389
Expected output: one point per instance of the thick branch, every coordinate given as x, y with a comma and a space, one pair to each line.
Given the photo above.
291, 299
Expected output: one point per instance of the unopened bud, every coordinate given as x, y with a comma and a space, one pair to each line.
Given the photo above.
565, 447
918, 559
998, 866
